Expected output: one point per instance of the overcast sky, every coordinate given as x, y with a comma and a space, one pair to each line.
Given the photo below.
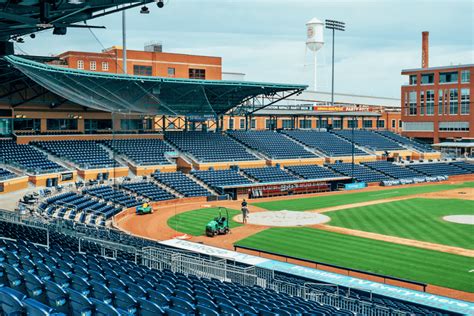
265, 39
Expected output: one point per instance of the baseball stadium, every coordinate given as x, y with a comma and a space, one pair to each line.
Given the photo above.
145, 182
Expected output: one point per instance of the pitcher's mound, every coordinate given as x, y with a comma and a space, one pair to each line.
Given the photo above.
460, 219
285, 218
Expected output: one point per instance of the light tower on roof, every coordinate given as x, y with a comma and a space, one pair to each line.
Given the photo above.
314, 42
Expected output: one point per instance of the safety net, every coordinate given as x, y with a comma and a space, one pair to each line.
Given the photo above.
120, 93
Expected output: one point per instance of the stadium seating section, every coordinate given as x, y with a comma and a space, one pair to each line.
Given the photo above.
209, 147
109, 194
219, 178
437, 169
406, 141
361, 173
141, 152
85, 154
148, 190
369, 139
5, 174
269, 174
468, 166
181, 183
327, 143
272, 144
58, 280
26, 158
392, 170
313, 172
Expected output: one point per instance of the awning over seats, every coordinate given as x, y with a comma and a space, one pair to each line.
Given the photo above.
152, 95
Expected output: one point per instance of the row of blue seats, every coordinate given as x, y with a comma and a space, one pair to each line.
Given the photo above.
405, 141
269, 174
179, 182
85, 154
360, 172
437, 169
313, 172
392, 170
27, 158
220, 178
209, 147
369, 139
110, 194
141, 152
148, 190
6, 174
327, 143
272, 144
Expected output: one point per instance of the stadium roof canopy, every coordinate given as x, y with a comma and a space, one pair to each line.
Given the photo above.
21, 17
120, 93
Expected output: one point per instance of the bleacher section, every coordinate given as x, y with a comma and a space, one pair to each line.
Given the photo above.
219, 178
27, 158
272, 144
327, 143
141, 152
406, 141
209, 147
78, 205
369, 139
109, 194
5, 174
465, 165
393, 170
361, 173
269, 174
182, 184
85, 154
148, 190
313, 172
437, 169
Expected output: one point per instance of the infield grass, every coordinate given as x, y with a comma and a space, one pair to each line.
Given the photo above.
317, 202
419, 219
381, 257
194, 222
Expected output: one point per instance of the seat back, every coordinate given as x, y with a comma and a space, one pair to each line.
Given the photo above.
35, 308
11, 301
101, 292
79, 304
56, 296
206, 311
35, 287
103, 309
148, 308
125, 301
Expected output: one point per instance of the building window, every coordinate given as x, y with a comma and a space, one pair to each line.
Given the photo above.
242, 123
393, 123
231, 123
454, 126
270, 124
91, 126
422, 103
405, 105
335, 124
61, 124
171, 72
465, 76
381, 123
197, 73
253, 124
440, 102
305, 123
465, 100
26, 124
427, 78
448, 77
400, 123
140, 70
287, 124
105, 66
412, 103
134, 124
413, 80
453, 101
367, 124
353, 123
430, 102
80, 64
93, 65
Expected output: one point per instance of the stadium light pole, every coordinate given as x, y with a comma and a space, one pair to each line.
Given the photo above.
338, 26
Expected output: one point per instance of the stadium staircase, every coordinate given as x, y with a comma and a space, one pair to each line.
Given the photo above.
310, 149
201, 183
167, 188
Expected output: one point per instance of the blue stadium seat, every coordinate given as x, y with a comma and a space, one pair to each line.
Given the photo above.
11, 301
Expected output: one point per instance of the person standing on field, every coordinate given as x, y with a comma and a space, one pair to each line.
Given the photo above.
245, 211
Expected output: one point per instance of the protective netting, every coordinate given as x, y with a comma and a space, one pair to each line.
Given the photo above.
141, 94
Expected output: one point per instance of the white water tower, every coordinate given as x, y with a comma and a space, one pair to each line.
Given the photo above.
314, 41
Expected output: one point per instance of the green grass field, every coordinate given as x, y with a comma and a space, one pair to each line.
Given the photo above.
194, 222
419, 219
317, 202
386, 258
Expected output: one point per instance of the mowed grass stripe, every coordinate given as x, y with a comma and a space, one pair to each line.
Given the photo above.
194, 222
418, 219
317, 202
375, 256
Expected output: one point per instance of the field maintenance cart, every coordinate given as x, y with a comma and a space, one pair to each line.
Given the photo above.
145, 208
219, 225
